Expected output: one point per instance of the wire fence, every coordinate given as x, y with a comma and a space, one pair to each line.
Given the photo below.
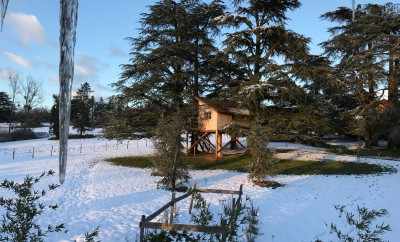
82, 148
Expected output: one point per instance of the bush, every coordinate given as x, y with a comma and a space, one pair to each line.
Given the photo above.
22, 209
362, 225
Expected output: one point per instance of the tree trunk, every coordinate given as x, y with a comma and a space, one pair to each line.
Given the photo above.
371, 81
68, 21
195, 93
393, 80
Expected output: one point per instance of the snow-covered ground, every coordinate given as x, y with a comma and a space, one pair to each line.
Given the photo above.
97, 193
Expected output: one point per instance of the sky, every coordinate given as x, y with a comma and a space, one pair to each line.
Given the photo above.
29, 40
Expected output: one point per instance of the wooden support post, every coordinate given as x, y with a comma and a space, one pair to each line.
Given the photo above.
13, 153
218, 142
191, 199
33, 152
233, 143
141, 226
127, 144
171, 216
51, 151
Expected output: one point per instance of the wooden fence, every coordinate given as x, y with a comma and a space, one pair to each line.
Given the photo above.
145, 222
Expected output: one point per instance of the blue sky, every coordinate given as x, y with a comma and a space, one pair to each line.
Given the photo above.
29, 41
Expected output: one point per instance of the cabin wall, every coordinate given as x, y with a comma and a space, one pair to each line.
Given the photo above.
207, 124
242, 121
223, 120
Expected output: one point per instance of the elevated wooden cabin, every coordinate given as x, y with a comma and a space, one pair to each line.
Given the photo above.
215, 118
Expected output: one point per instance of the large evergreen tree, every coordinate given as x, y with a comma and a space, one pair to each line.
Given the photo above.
174, 59
54, 117
81, 109
267, 54
5, 107
365, 51
260, 40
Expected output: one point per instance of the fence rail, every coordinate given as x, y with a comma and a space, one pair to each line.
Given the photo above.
145, 222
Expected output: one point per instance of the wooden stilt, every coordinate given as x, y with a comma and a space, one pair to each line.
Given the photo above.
218, 142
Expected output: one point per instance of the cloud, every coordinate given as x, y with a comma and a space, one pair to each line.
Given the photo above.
116, 52
27, 27
5, 73
17, 59
86, 67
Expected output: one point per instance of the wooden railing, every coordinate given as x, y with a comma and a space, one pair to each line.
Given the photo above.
145, 222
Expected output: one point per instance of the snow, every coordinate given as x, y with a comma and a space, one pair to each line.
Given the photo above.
97, 193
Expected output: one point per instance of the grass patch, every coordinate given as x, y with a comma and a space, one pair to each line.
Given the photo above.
377, 152
286, 167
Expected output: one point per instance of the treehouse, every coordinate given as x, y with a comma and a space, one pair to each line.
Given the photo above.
215, 118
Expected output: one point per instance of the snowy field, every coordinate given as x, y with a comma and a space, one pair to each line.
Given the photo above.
97, 193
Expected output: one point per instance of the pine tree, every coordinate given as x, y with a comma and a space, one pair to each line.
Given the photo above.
169, 164
261, 37
175, 59
5, 107
81, 109
54, 117
261, 160
365, 51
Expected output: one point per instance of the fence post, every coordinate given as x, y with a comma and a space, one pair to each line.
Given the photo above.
33, 152
240, 192
127, 145
191, 199
51, 151
80, 149
13, 153
141, 226
171, 217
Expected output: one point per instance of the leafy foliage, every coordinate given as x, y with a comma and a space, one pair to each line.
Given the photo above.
362, 225
19, 221
22, 208
6, 107
54, 117
261, 159
239, 221
82, 105
169, 164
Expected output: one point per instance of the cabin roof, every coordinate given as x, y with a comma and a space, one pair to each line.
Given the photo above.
226, 107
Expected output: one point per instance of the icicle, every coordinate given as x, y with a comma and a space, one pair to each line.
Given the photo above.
68, 21
3, 11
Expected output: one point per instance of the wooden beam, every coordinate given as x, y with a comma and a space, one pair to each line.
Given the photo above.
185, 227
221, 191
207, 139
170, 203
198, 140
237, 140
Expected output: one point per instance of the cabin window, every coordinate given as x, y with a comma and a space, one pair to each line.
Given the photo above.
207, 115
